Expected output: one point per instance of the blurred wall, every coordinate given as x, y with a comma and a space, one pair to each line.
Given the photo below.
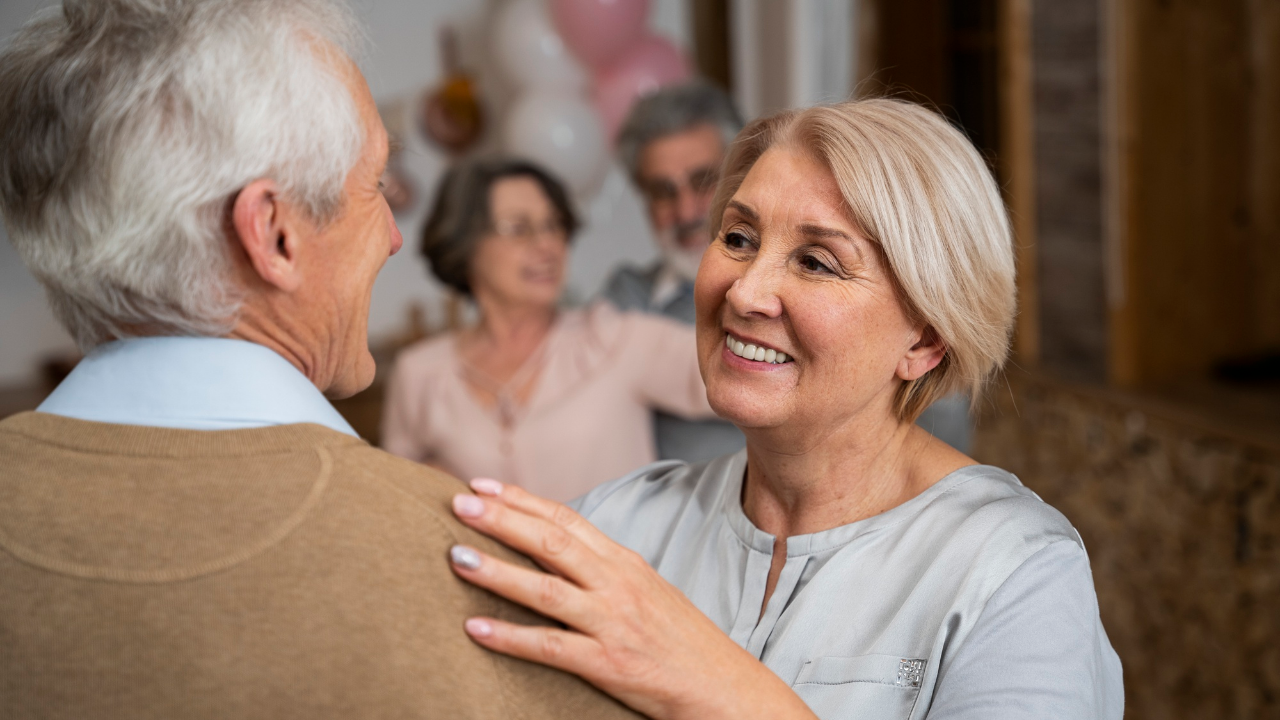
403, 60
1179, 514
1196, 187
792, 53
27, 328
1067, 99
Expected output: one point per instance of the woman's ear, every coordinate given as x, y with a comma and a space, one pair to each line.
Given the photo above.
923, 356
265, 229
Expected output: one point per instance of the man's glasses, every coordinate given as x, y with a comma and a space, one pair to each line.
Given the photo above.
701, 181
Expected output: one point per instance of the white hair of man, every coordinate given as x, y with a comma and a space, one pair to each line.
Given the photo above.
672, 110
131, 125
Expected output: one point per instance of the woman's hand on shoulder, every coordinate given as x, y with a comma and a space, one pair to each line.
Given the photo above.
630, 632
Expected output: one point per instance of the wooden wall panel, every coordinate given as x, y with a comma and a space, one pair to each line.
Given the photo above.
912, 50
1202, 264
1264, 48
1017, 164
1120, 147
711, 50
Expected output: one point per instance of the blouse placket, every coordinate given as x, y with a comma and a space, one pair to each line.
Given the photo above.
507, 411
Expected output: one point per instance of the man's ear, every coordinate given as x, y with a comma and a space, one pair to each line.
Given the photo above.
267, 232
923, 356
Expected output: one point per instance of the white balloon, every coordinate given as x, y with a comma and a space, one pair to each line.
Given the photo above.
562, 133
531, 53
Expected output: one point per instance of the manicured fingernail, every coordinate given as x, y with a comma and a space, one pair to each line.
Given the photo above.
487, 486
464, 557
468, 506
478, 628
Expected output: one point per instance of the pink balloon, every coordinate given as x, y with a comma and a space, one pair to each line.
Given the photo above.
600, 32
653, 63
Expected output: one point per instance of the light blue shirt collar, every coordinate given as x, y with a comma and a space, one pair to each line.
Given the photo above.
193, 384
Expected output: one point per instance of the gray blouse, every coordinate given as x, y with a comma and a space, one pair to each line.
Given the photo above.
972, 600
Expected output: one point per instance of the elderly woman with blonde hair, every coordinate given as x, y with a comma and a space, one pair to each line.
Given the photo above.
846, 564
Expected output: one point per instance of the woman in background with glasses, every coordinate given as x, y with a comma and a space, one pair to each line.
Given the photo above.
556, 401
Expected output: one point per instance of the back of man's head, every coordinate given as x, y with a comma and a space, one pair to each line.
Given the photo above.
131, 125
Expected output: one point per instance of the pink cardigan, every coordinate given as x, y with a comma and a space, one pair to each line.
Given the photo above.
587, 421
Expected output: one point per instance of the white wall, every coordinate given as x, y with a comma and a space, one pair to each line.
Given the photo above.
403, 60
792, 53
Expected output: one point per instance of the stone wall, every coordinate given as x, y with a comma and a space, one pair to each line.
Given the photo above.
1068, 152
1181, 518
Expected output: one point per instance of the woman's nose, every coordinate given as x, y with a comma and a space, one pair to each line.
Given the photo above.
755, 292
547, 246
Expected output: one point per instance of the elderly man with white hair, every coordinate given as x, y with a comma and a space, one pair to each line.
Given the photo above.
187, 527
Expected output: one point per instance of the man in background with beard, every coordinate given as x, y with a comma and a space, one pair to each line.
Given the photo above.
673, 144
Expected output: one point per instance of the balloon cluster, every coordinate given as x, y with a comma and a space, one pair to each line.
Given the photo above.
578, 67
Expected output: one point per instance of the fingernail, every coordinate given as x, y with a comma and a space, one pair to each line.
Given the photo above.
464, 557
487, 486
468, 506
476, 627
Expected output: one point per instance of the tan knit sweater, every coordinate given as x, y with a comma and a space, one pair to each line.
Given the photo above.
284, 572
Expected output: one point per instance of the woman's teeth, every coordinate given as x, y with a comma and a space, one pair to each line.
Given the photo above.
751, 352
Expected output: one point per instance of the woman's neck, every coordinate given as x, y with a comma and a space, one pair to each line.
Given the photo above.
506, 335
506, 324
797, 487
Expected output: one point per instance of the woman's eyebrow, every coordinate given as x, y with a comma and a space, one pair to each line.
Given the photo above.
814, 232
822, 231
743, 210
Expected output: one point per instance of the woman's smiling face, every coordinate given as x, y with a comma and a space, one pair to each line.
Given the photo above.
790, 272
521, 261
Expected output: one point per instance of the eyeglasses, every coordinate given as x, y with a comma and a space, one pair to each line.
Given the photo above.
527, 231
700, 181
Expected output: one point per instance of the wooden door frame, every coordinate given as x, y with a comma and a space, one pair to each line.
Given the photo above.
1017, 166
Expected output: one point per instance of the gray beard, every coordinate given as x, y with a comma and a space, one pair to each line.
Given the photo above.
682, 262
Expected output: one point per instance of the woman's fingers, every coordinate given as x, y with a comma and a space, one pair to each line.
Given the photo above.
550, 595
556, 513
551, 545
562, 649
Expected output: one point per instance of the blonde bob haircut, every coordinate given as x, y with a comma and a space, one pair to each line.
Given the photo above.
916, 187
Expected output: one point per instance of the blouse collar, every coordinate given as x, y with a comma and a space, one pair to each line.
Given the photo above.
732, 470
